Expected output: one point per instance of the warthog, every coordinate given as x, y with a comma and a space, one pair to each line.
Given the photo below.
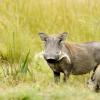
76, 59
95, 82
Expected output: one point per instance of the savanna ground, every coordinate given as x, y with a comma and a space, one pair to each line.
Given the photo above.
24, 75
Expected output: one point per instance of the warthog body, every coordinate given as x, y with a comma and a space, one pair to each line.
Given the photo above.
69, 59
95, 82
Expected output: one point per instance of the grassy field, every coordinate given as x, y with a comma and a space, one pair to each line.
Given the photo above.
23, 74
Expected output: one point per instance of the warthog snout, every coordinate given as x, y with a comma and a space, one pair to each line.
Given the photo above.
51, 58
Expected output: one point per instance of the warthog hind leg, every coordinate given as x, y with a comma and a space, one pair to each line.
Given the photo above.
97, 88
94, 72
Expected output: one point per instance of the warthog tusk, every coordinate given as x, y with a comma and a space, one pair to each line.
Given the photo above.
67, 56
60, 53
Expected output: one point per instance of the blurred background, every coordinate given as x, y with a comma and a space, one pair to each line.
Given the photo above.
22, 20
20, 44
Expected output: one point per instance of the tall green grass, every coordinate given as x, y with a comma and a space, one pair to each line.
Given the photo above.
20, 23
26, 18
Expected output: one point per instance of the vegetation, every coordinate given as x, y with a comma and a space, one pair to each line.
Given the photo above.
24, 75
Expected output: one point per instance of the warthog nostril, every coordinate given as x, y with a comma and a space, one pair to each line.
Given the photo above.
51, 60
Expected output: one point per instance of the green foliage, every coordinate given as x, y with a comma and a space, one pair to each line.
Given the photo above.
24, 66
49, 91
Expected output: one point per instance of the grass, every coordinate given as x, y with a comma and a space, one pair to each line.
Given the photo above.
20, 23
48, 91
40, 86
52, 91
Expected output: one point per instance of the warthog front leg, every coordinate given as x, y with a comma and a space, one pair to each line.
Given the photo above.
66, 76
56, 77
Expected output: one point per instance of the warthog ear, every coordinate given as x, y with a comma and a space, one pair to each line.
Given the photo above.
63, 36
43, 36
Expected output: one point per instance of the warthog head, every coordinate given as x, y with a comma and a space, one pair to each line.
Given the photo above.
53, 47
